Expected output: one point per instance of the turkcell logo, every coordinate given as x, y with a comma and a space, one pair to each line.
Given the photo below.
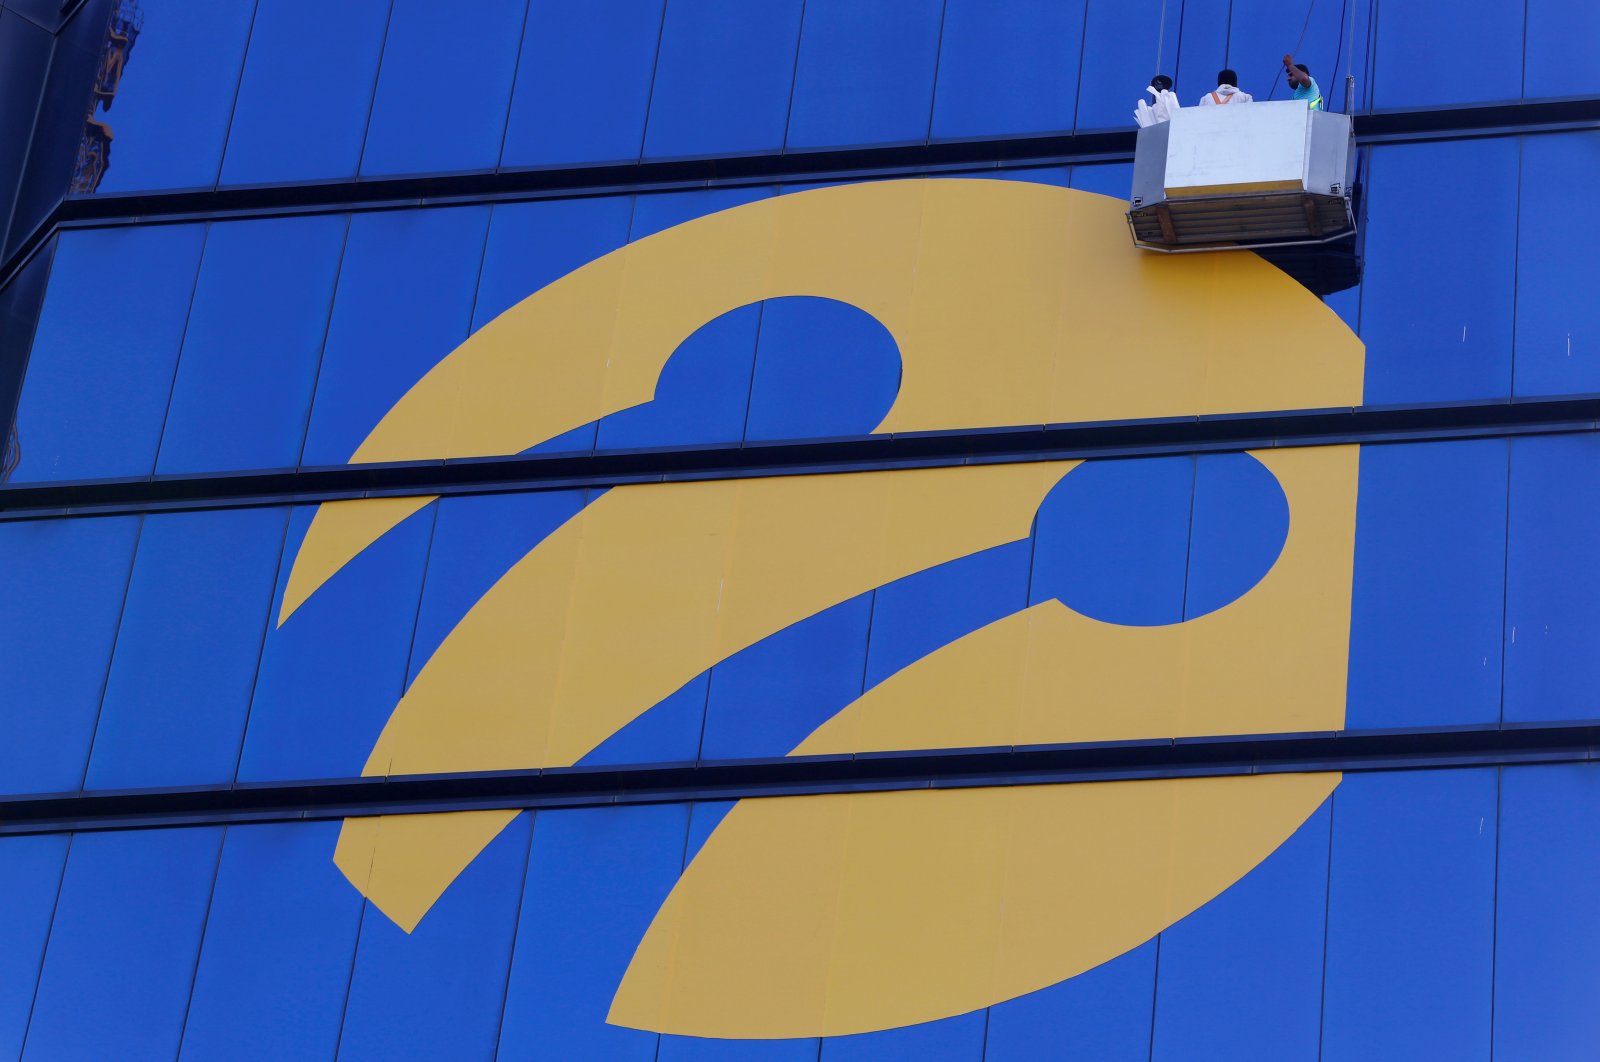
1010, 304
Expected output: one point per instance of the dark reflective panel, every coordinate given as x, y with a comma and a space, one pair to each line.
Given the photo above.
1436, 306
583, 83
1010, 68
1120, 39
1482, 55
1411, 917
30, 875
164, 107
122, 949
280, 940
1559, 30
61, 591
444, 86
24, 60
865, 73
103, 357
252, 345
404, 302
186, 655
1429, 593
19, 314
1558, 316
723, 79
1546, 934
306, 91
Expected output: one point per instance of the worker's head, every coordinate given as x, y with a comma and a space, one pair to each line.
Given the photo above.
1300, 75
1161, 82
1227, 77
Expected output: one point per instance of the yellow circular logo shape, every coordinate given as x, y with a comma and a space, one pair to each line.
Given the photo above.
1011, 304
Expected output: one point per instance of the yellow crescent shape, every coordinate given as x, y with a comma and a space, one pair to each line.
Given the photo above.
1012, 303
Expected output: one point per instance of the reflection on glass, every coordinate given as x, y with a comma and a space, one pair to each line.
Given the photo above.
94, 151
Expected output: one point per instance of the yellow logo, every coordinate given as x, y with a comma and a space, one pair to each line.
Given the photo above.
1011, 304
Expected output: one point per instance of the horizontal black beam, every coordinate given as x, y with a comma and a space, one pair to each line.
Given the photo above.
573, 787
1367, 425
878, 160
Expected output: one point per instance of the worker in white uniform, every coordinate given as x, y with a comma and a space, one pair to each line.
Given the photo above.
1165, 101
1227, 91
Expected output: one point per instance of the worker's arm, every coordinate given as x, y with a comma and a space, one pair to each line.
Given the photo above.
1294, 74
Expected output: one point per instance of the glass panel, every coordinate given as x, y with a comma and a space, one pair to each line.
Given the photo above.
1261, 31
1120, 38
186, 655
121, 959
1429, 596
62, 584
444, 86
724, 78
865, 73
1558, 32
279, 944
1484, 54
1103, 1014
1008, 68
103, 357
1436, 309
583, 84
253, 342
30, 877
167, 109
1558, 317
306, 91
1411, 916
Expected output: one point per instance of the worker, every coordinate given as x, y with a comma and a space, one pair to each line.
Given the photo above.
1305, 86
1227, 91
1166, 101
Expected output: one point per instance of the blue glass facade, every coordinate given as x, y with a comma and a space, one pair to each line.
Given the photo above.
282, 216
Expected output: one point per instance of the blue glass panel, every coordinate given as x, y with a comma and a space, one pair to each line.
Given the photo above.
723, 78
476, 540
404, 303
187, 650
280, 940
30, 876
823, 368
583, 85
1484, 54
955, 1039
101, 369
912, 617
331, 675
1437, 305
61, 589
121, 959
532, 244
865, 73
170, 115
1241, 978
306, 91
1238, 527
1558, 317
1546, 932
1429, 596
1009, 68
655, 212
1411, 917
1120, 38
1553, 579
438, 991
1203, 41
251, 350
766, 699
1557, 31
444, 86
1107, 178
595, 879
704, 818
1261, 31
703, 393
1112, 540
1104, 1014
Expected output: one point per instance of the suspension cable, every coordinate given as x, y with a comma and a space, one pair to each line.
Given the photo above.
1304, 26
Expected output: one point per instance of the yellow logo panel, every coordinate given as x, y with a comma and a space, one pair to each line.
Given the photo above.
1011, 304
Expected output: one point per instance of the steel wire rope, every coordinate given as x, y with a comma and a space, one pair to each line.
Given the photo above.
1304, 26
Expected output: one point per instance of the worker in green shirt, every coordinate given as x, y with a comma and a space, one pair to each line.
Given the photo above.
1304, 85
